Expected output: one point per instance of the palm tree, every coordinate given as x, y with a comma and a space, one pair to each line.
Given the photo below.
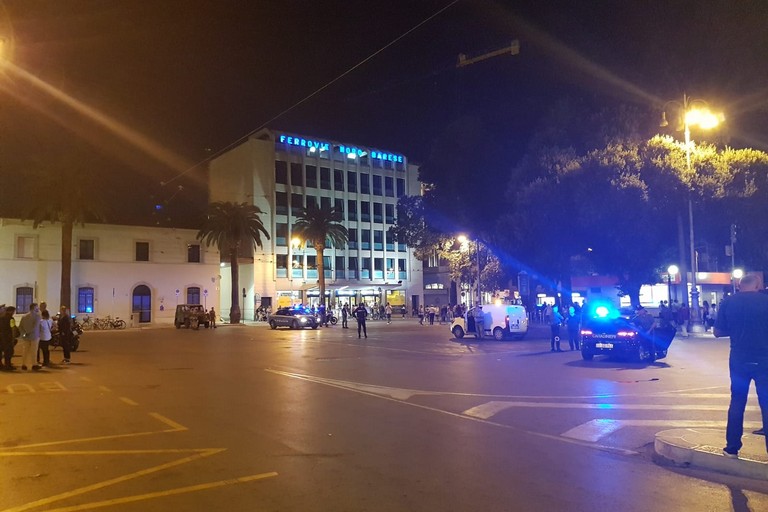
68, 194
316, 225
231, 226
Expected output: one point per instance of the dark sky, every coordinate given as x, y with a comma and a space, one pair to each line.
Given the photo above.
193, 76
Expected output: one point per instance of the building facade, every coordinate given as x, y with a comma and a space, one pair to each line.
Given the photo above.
136, 273
281, 173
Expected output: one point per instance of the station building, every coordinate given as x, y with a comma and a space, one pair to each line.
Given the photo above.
136, 273
281, 173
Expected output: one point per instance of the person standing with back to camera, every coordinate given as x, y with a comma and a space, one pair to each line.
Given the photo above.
744, 318
360, 313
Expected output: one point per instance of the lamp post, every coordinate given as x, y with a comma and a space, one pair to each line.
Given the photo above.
464, 240
295, 244
692, 113
671, 271
735, 276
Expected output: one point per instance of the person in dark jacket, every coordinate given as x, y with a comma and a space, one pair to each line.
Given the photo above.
744, 317
6, 338
360, 314
556, 321
64, 325
574, 324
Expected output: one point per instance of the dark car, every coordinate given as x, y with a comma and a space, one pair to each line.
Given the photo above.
293, 318
605, 332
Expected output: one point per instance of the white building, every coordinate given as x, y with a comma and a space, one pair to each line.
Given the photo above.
280, 173
132, 272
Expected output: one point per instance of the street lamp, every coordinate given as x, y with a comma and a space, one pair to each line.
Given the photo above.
463, 239
735, 276
295, 244
692, 113
671, 271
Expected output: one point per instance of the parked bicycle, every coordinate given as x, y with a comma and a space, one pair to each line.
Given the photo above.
105, 323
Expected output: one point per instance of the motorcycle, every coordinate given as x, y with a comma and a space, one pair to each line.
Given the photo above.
77, 331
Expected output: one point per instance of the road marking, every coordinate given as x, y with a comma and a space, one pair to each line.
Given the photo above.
19, 388
52, 386
110, 452
489, 409
175, 426
169, 492
592, 431
128, 401
105, 389
113, 481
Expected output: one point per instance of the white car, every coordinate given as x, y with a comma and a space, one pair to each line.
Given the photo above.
501, 321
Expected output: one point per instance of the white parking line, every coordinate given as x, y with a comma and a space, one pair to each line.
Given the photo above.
593, 431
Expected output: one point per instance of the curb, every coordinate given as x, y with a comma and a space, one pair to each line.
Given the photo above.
702, 448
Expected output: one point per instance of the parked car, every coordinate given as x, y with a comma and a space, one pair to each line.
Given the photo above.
191, 316
293, 318
605, 331
500, 320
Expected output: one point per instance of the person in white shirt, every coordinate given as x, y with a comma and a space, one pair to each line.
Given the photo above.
46, 334
29, 327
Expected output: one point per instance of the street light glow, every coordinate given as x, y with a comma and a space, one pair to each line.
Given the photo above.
673, 270
703, 118
738, 273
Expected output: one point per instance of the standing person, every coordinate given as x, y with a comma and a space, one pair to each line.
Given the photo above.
29, 327
712, 314
388, 312
65, 333
7, 326
421, 314
212, 317
443, 314
46, 333
744, 317
360, 314
344, 314
683, 317
556, 320
573, 323
432, 315
479, 322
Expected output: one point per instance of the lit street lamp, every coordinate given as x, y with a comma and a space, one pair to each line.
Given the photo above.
692, 113
735, 276
463, 239
671, 271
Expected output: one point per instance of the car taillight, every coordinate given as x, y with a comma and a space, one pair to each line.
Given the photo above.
586, 332
627, 334
506, 321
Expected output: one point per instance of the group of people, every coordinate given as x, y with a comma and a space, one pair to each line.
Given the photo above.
443, 314
571, 320
33, 333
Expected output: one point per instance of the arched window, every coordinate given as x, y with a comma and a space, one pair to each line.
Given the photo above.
85, 300
193, 295
23, 299
142, 303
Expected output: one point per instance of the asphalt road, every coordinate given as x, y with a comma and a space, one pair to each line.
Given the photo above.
243, 418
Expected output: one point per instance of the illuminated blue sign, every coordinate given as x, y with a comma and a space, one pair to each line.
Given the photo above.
345, 150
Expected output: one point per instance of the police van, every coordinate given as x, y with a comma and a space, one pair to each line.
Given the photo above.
499, 320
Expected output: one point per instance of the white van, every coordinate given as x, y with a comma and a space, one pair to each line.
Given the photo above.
501, 321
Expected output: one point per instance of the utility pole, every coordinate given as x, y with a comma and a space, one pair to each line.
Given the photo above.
512, 49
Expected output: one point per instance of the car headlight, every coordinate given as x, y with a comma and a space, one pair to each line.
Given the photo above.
303, 319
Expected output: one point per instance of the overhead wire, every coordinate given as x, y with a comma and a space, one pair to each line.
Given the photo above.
312, 94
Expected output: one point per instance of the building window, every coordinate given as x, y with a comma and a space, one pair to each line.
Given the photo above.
142, 251
325, 178
23, 299
377, 217
297, 203
378, 268
390, 268
297, 175
352, 181
401, 247
193, 295
352, 238
338, 204
378, 240
389, 213
400, 187
311, 200
281, 234
311, 178
389, 186
25, 248
325, 202
365, 183
281, 264
390, 237
402, 271
281, 172
340, 267
352, 268
365, 242
85, 299
338, 180
365, 211
86, 249
193, 253
351, 209
365, 271
377, 186
281, 203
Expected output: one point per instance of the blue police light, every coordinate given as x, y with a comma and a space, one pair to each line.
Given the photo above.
602, 311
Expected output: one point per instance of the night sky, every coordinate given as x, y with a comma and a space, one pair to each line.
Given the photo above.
188, 78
